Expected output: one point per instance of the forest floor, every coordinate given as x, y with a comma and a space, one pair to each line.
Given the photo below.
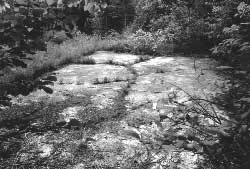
124, 111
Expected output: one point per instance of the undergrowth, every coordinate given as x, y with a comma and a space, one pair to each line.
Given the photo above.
73, 51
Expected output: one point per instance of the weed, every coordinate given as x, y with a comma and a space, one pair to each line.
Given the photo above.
70, 51
96, 81
118, 79
143, 58
66, 61
125, 92
87, 60
159, 70
104, 81
111, 62
132, 70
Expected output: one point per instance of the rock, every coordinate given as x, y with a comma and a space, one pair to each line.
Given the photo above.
118, 148
78, 81
189, 160
79, 166
190, 146
46, 150
122, 59
155, 104
70, 113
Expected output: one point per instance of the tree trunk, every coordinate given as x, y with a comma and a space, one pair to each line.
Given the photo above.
125, 20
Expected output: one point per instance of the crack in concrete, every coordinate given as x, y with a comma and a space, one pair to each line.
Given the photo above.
141, 96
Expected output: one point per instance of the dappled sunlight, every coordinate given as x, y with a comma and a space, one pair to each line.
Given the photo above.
124, 84
161, 123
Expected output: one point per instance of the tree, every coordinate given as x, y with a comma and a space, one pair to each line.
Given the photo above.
234, 41
23, 24
117, 15
185, 19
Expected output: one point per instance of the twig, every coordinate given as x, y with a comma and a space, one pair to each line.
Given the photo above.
196, 102
195, 63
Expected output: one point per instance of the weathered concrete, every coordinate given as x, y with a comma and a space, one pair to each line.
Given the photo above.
152, 100
103, 57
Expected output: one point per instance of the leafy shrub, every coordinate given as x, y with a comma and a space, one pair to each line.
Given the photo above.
142, 42
24, 26
234, 46
226, 48
186, 20
158, 42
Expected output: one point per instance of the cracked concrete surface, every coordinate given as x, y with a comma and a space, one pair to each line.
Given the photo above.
160, 85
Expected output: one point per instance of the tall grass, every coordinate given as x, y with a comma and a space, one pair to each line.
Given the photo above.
82, 45
71, 51
76, 51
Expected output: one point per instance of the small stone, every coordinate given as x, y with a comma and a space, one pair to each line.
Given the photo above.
79, 166
46, 150
170, 115
176, 160
70, 113
66, 155
181, 116
189, 146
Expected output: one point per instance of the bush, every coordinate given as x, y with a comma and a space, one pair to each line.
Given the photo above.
234, 46
159, 42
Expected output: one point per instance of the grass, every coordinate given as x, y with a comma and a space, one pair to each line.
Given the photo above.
111, 62
143, 58
159, 70
71, 51
106, 80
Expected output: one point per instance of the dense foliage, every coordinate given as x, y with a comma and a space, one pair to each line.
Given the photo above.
199, 25
26, 26
234, 33
182, 20
155, 27
191, 26
117, 15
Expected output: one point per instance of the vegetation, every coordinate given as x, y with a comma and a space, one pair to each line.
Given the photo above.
71, 51
39, 36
